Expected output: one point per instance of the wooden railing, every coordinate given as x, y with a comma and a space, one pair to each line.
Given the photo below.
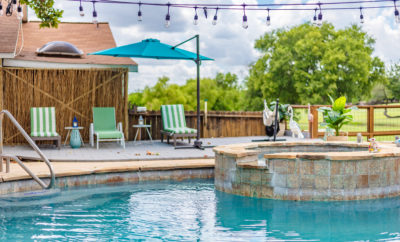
369, 120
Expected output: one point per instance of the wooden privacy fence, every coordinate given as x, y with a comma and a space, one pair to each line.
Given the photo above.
369, 120
73, 92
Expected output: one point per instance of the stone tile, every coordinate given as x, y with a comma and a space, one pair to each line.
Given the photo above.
307, 181
322, 182
350, 182
337, 182
322, 167
267, 192
321, 195
374, 181
362, 181
293, 181
255, 191
245, 190
278, 180
245, 175
349, 168
280, 166
266, 178
375, 167
337, 194
293, 167
307, 167
255, 177
336, 168
362, 167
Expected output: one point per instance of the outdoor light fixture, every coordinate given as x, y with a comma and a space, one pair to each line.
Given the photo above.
361, 16
14, 2
396, 13
20, 13
139, 13
196, 17
214, 22
315, 17
81, 9
245, 25
94, 14
319, 21
205, 12
268, 19
1, 9
167, 18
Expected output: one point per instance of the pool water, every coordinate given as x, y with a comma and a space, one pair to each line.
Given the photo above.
188, 211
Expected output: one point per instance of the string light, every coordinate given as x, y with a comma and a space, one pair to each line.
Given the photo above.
315, 17
20, 14
94, 14
205, 12
196, 17
14, 2
361, 16
319, 21
214, 22
81, 9
396, 13
1, 9
167, 18
139, 13
245, 25
268, 19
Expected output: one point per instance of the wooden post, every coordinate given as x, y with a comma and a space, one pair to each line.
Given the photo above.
1, 89
370, 122
314, 129
126, 107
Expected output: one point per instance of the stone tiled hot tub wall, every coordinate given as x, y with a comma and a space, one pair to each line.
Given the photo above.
308, 171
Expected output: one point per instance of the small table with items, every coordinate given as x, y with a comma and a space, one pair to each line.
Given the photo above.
76, 131
145, 126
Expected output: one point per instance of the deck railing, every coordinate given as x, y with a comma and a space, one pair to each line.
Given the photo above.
381, 121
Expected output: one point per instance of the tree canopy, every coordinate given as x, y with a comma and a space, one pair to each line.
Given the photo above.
305, 64
45, 11
222, 93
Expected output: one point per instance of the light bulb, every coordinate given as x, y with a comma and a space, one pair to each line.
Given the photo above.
14, 2
245, 25
20, 13
396, 16
319, 22
214, 22
195, 19
268, 20
139, 16
81, 11
167, 21
1, 9
95, 17
361, 18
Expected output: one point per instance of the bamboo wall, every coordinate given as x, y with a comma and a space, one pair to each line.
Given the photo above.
73, 92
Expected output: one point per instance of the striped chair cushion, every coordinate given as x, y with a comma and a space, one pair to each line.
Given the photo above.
173, 118
43, 122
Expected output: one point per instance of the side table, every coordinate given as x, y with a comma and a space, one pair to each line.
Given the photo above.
69, 131
145, 126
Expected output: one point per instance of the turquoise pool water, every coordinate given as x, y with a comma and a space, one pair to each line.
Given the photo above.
189, 211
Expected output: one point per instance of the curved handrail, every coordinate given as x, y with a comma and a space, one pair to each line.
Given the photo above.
32, 144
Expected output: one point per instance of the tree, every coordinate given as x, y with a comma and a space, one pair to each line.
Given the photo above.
394, 81
305, 64
49, 16
222, 93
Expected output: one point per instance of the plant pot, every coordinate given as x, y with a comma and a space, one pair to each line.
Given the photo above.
337, 138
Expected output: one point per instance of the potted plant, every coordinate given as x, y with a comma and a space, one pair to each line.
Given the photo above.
336, 116
283, 116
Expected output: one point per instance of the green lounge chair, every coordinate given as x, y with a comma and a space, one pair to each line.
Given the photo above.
43, 125
104, 127
174, 123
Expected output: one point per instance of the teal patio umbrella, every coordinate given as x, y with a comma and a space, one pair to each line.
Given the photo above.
154, 49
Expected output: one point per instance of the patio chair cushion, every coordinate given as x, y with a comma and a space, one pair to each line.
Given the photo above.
104, 119
173, 119
43, 122
109, 134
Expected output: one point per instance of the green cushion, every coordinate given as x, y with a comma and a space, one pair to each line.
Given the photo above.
104, 119
173, 116
43, 122
109, 134
182, 130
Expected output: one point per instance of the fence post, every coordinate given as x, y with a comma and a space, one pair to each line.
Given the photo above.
370, 122
314, 123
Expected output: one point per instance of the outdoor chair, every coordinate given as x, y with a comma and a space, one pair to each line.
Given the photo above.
43, 125
174, 123
104, 127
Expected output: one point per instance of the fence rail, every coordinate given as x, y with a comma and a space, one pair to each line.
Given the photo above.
381, 121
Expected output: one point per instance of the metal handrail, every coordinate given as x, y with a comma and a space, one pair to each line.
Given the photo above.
32, 144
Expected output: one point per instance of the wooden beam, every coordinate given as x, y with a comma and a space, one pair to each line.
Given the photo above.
126, 107
1, 89
370, 122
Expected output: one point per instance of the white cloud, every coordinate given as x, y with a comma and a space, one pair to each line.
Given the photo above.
228, 43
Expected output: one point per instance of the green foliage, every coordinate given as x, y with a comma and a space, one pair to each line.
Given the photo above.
45, 11
394, 80
338, 115
282, 109
305, 64
222, 93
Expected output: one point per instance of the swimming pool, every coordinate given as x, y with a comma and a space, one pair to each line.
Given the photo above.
190, 210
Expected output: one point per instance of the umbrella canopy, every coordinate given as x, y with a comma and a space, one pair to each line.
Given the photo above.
150, 48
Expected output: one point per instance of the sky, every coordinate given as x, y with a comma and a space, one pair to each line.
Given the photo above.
228, 43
